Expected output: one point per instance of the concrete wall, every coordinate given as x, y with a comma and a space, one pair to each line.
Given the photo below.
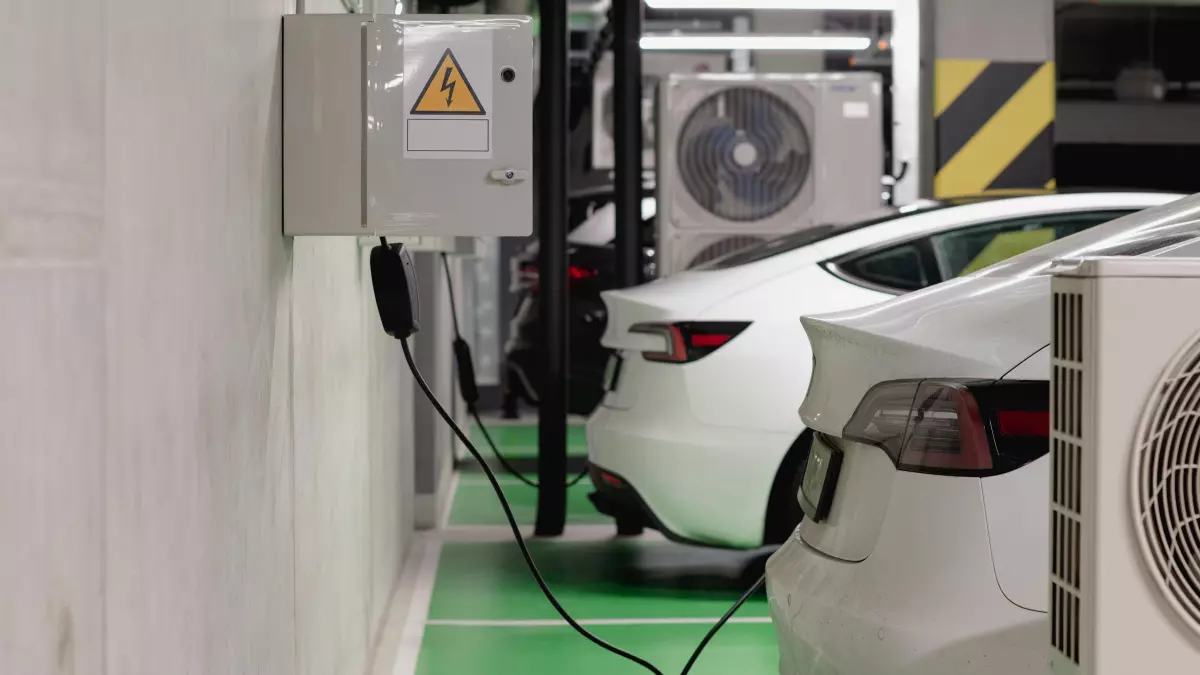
434, 355
205, 464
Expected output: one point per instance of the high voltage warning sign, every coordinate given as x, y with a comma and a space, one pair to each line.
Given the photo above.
451, 116
448, 91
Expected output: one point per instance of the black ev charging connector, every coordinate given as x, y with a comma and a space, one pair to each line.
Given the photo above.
395, 285
399, 309
469, 388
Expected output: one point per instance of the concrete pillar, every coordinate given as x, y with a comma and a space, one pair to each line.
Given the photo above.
912, 100
993, 96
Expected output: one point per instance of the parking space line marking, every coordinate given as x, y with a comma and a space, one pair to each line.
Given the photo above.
553, 623
448, 504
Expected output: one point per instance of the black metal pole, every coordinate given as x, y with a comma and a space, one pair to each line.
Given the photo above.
627, 137
551, 171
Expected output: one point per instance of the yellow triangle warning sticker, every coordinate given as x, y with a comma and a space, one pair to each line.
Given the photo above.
448, 92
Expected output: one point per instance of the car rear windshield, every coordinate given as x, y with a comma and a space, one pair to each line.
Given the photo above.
808, 236
1150, 232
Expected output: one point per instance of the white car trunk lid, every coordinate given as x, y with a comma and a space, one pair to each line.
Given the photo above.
970, 332
976, 327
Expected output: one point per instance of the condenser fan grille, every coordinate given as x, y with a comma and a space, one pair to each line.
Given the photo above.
1166, 490
744, 154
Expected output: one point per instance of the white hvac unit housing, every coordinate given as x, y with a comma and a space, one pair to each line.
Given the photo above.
747, 157
655, 66
1125, 477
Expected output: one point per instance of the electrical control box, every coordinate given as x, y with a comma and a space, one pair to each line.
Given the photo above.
407, 125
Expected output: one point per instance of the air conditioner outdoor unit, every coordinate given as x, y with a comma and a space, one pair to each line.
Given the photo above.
747, 157
654, 68
1125, 467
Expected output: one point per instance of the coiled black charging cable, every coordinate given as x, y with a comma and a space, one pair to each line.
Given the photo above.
469, 388
537, 575
516, 530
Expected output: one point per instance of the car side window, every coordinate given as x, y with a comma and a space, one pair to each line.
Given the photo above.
897, 268
970, 249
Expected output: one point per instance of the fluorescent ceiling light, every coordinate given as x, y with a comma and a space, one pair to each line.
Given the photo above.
819, 5
754, 42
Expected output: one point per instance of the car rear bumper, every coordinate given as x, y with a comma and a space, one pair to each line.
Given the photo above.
695, 483
615, 497
926, 602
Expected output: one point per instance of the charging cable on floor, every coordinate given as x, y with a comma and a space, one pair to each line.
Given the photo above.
469, 388
396, 297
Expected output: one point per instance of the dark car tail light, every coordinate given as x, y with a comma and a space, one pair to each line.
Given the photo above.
689, 341
528, 274
956, 427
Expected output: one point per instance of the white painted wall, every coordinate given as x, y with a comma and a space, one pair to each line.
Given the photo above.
433, 351
205, 455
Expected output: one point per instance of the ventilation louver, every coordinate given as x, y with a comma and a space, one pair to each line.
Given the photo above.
1066, 439
1124, 489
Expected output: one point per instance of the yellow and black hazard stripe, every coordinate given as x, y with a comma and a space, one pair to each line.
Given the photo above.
994, 126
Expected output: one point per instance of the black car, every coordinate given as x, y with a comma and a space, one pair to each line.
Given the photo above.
590, 270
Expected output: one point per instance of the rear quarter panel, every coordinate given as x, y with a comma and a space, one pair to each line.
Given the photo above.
1018, 514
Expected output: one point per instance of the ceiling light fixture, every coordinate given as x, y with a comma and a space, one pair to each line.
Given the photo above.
754, 42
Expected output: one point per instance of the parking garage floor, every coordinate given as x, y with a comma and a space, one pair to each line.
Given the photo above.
475, 609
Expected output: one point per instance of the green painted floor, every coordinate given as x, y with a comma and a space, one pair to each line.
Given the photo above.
475, 502
655, 598
738, 649
519, 440
658, 599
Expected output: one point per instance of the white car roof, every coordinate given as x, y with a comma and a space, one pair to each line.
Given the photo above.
940, 219
928, 217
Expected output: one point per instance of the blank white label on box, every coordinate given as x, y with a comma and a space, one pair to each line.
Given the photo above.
448, 135
856, 110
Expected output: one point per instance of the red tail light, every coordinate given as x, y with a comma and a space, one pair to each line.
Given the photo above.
689, 341
576, 272
530, 274
1023, 423
958, 427
611, 479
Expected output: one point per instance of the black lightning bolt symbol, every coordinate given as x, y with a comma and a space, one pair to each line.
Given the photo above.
448, 85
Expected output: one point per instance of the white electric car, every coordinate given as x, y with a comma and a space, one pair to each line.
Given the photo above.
925, 544
697, 435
